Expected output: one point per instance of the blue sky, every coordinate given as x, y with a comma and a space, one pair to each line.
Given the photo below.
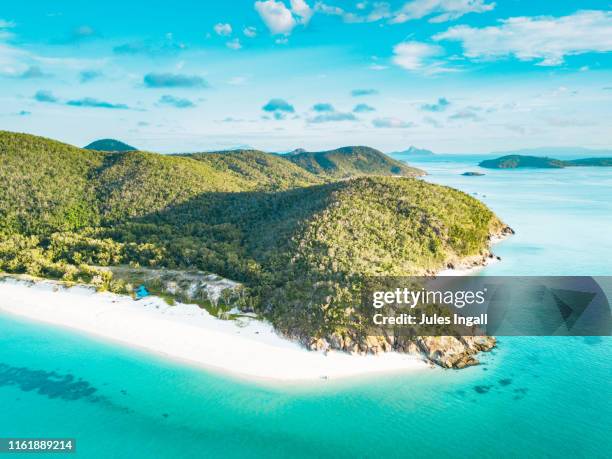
449, 75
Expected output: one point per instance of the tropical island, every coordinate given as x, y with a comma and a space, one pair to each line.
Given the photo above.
294, 235
522, 161
414, 152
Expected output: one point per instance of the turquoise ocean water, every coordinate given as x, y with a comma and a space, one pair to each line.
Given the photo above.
532, 397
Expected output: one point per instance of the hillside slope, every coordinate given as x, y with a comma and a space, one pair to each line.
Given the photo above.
270, 171
351, 162
45, 185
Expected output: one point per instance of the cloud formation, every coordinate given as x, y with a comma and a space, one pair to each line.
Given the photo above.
418, 56
465, 114
543, 38
282, 20
363, 108
81, 33
175, 102
172, 80
332, 116
33, 72
45, 96
168, 46
224, 30
323, 107
250, 32
363, 92
279, 108
302, 11
234, 44
440, 10
88, 75
441, 105
95, 103
278, 105
391, 123
436, 10
90, 102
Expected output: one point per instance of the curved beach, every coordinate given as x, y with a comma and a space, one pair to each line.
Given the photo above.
245, 347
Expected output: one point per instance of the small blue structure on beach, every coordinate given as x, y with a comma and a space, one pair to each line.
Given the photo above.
141, 292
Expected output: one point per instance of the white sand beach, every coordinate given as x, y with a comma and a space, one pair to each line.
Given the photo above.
245, 347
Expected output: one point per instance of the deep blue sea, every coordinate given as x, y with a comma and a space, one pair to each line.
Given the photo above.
532, 397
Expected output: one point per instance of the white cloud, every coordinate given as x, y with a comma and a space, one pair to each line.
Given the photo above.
223, 29
544, 38
421, 57
234, 44
250, 32
301, 9
277, 17
321, 7
443, 10
380, 10
4, 33
280, 19
437, 10
12, 59
377, 67
391, 123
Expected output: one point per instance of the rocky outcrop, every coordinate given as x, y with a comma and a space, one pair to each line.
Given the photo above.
444, 351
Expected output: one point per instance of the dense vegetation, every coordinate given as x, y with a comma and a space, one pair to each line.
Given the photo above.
518, 161
302, 251
260, 169
351, 162
599, 162
109, 145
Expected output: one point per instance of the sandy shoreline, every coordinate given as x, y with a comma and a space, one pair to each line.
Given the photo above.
245, 348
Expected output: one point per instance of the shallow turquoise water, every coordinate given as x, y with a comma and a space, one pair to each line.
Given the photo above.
533, 397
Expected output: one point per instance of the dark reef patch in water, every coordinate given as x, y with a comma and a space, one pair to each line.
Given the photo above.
48, 383
482, 389
520, 393
505, 382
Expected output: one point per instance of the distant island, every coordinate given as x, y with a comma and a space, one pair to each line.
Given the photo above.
109, 145
558, 152
521, 161
301, 233
473, 174
413, 151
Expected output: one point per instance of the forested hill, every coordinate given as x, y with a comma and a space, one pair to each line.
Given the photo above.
301, 251
538, 162
351, 162
264, 169
109, 145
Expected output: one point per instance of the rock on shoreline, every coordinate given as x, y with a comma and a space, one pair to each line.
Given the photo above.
444, 351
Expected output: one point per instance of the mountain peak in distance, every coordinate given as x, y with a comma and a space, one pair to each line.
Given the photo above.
109, 145
414, 151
